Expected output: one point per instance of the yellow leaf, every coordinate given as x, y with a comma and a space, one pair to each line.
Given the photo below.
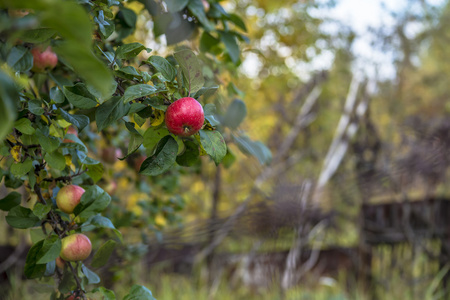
55, 131
63, 123
158, 118
44, 118
202, 150
11, 138
69, 163
160, 220
16, 153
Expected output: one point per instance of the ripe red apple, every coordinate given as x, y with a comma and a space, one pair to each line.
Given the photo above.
43, 60
75, 247
110, 154
184, 117
68, 198
60, 262
71, 130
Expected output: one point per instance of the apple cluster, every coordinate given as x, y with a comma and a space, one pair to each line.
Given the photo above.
75, 247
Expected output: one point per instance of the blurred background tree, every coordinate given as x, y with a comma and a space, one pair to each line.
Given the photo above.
344, 130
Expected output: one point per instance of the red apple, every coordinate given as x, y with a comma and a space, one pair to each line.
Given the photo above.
60, 262
71, 130
110, 154
75, 247
68, 198
184, 117
43, 60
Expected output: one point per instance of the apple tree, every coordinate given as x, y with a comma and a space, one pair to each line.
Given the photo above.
72, 75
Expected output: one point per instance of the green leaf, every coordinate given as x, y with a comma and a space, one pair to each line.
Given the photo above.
67, 283
138, 91
48, 143
131, 50
57, 95
230, 42
88, 66
237, 21
77, 143
20, 169
91, 276
98, 221
24, 126
36, 234
50, 250
50, 268
102, 96
136, 139
107, 294
135, 107
206, 92
20, 59
138, 120
163, 66
106, 26
197, 9
96, 172
191, 68
176, 5
235, 114
128, 16
229, 159
208, 43
89, 161
139, 292
55, 160
40, 210
79, 121
129, 73
35, 107
22, 218
210, 114
102, 255
190, 156
156, 102
257, 149
37, 36
152, 136
110, 111
12, 200
79, 96
8, 99
163, 159
93, 201
214, 144
32, 269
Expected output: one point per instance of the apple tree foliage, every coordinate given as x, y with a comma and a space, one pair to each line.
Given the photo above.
108, 88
